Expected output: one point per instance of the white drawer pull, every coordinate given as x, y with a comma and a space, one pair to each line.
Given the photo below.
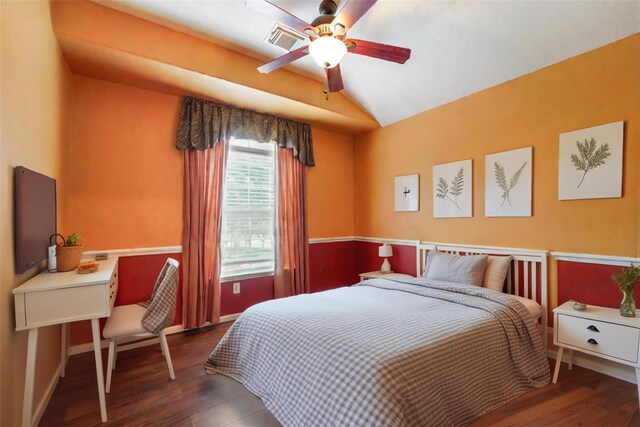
593, 328
592, 341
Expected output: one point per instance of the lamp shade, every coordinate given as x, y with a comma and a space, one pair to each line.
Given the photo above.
385, 251
327, 51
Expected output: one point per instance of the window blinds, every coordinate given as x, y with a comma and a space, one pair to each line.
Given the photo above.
248, 211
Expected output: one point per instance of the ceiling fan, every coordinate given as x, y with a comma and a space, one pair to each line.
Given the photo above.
328, 38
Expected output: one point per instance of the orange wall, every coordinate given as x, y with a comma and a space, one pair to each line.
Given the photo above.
330, 186
126, 174
34, 109
595, 88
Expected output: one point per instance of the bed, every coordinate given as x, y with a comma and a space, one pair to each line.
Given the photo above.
412, 352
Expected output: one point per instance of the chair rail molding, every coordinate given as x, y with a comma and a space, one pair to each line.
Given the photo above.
137, 251
316, 240
595, 259
380, 240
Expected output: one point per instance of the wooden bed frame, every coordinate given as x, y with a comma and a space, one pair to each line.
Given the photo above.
527, 275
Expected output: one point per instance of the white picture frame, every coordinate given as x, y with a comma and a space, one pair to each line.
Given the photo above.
508, 183
407, 193
453, 190
590, 162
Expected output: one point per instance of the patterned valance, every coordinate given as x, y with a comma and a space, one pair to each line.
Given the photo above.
203, 123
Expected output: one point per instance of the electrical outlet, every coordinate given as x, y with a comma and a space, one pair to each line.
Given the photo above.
236, 288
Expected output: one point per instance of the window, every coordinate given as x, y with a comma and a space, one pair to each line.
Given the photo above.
248, 209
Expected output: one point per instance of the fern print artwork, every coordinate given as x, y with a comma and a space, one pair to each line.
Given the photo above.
501, 180
589, 157
457, 184
508, 183
452, 189
590, 162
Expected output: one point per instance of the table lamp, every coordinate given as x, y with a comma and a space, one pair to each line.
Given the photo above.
385, 251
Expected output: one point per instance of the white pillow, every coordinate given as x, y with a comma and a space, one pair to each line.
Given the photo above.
468, 270
496, 272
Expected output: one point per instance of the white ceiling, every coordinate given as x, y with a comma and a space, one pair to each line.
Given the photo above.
458, 47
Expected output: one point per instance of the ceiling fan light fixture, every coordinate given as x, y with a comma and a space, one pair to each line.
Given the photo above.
327, 51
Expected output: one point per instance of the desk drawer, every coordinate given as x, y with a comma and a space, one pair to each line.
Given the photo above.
66, 304
609, 339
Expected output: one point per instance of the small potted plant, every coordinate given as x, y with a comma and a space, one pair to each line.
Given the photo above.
69, 252
626, 280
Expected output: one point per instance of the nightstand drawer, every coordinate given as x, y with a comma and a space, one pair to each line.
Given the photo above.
600, 337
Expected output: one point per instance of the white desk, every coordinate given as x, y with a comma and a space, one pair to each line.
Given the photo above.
60, 298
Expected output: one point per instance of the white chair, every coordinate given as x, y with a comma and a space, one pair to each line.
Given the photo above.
145, 319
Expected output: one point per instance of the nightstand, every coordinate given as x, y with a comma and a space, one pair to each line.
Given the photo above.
381, 275
598, 331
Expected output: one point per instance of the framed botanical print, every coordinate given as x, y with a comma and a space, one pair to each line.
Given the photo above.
452, 190
407, 192
508, 183
591, 162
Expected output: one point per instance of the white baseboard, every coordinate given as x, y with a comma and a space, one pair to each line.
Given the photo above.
88, 346
44, 402
174, 329
604, 366
229, 317
85, 348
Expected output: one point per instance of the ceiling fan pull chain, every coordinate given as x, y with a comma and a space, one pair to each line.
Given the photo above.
326, 80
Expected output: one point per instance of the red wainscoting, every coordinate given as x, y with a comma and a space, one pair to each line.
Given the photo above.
331, 265
402, 261
138, 275
252, 291
590, 284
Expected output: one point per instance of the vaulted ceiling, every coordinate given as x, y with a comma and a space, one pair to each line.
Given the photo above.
458, 48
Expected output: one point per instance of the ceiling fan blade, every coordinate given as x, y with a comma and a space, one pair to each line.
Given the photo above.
352, 12
280, 15
379, 50
284, 60
334, 78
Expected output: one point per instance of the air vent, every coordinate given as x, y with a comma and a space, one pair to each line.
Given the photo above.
284, 37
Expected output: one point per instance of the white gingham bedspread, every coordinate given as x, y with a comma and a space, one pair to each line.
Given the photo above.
385, 353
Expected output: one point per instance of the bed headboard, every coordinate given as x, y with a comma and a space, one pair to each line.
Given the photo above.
527, 275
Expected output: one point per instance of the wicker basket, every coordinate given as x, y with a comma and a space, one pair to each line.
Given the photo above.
68, 257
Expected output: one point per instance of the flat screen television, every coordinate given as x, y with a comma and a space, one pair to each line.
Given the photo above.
35, 217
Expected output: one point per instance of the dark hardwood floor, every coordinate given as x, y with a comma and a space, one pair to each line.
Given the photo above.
142, 394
